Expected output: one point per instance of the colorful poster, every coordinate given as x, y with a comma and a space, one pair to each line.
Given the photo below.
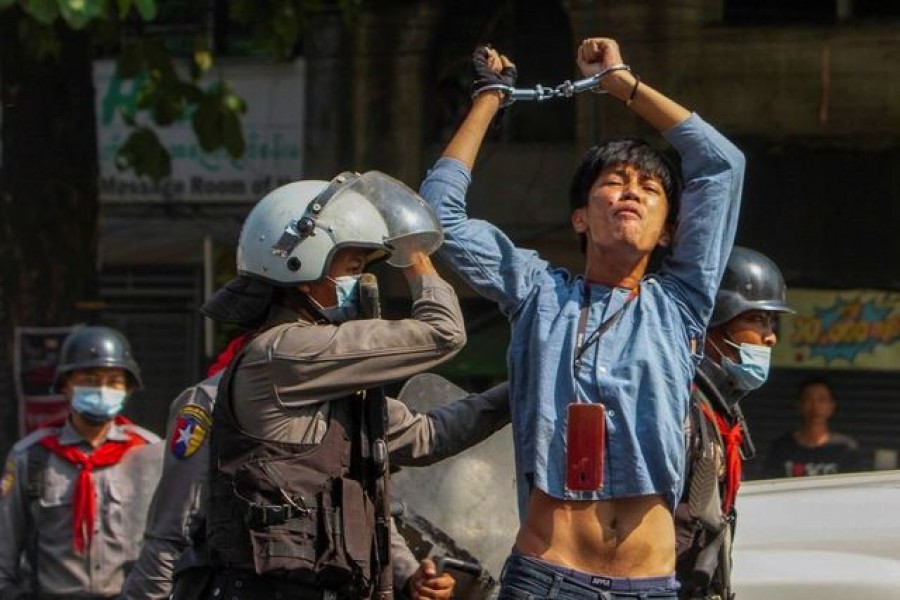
36, 356
856, 329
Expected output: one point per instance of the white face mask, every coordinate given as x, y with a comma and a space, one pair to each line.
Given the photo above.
753, 370
98, 404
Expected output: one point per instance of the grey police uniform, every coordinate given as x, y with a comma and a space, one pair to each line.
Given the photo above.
178, 507
41, 505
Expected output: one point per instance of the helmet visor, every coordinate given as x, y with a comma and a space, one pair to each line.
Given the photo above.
410, 226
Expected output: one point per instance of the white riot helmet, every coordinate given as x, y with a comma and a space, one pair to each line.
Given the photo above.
291, 234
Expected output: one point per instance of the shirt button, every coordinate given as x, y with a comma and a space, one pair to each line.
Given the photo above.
611, 413
238, 584
601, 370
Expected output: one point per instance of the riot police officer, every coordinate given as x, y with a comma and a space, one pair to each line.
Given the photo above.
74, 495
297, 488
177, 518
738, 344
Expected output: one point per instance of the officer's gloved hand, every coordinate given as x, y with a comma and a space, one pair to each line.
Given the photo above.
493, 71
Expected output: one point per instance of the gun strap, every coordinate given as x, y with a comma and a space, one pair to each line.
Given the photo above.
376, 415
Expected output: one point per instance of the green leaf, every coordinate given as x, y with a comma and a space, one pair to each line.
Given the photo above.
190, 92
78, 13
146, 8
129, 62
146, 96
207, 122
6, 3
127, 117
124, 7
143, 153
233, 135
167, 108
234, 103
157, 57
43, 11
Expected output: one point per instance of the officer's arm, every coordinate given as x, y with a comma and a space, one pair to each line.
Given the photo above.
310, 365
418, 439
178, 506
14, 520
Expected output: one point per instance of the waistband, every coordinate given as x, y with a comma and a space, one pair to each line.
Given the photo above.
605, 582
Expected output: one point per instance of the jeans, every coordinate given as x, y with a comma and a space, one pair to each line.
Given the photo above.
526, 578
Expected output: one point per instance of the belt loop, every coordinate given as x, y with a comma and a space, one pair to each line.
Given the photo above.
554, 587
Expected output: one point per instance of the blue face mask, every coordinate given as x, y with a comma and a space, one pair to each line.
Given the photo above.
98, 404
753, 370
347, 308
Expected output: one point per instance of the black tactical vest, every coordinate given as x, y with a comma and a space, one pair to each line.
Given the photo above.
300, 512
703, 533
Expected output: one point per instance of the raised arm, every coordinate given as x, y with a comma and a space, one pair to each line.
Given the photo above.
476, 250
596, 55
712, 169
490, 66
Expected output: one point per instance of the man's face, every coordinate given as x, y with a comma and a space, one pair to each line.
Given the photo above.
346, 261
109, 377
755, 327
816, 402
625, 207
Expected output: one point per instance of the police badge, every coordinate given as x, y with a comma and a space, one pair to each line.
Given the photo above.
189, 433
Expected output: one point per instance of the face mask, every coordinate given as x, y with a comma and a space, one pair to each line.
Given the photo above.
753, 370
347, 308
98, 404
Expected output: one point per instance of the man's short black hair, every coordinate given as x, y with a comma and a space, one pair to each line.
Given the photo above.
816, 380
627, 151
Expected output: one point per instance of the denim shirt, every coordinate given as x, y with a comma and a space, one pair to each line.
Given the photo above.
641, 367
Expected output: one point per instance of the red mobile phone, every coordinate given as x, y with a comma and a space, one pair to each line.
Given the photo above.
585, 446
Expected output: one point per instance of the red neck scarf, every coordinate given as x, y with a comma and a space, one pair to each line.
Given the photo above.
226, 355
85, 498
732, 436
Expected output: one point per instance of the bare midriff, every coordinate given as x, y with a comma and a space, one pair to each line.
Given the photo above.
626, 537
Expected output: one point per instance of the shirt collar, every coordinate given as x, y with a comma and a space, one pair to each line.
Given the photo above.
69, 436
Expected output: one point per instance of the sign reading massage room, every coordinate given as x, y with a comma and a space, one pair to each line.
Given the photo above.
273, 131
840, 330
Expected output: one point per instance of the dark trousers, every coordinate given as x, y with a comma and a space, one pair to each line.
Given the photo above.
237, 584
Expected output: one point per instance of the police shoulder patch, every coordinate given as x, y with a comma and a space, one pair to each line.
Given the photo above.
8, 481
190, 430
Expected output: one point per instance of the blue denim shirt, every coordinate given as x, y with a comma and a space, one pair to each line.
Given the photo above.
642, 366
